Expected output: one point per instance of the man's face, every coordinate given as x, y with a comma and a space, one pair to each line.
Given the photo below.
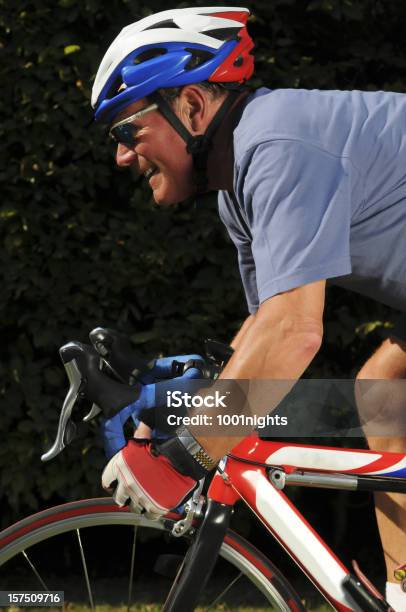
158, 147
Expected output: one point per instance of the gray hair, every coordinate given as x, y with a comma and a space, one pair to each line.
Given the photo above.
215, 90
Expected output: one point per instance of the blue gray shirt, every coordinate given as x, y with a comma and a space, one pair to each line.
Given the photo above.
320, 193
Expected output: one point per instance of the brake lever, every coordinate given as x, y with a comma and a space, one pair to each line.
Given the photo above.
94, 411
83, 364
67, 429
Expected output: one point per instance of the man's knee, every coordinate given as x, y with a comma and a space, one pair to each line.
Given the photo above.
388, 362
380, 393
369, 371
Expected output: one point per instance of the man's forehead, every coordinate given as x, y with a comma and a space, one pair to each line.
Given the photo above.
131, 109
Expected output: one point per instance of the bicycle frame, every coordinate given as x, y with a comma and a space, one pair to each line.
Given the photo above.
252, 483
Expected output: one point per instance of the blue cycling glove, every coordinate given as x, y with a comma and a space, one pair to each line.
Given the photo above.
164, 368
152, 398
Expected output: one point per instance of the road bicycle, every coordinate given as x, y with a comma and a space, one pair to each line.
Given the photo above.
257, 472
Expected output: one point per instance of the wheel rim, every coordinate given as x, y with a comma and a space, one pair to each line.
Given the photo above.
23, 538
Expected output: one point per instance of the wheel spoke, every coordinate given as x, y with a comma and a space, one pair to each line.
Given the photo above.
44, 586
130, 582
46, 527
223, 592
82, 554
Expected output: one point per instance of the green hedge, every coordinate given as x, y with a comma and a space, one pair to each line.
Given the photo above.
82, 243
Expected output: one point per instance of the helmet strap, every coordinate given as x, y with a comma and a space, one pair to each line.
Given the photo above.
197, 146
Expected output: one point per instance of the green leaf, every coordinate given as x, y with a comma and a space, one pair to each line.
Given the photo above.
71, 49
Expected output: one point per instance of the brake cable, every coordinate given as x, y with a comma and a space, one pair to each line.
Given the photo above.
249, 461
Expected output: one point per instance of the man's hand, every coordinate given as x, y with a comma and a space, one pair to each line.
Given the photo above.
150, 482
163, 367
152, 398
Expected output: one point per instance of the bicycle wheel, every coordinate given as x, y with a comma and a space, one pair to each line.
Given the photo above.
52, 545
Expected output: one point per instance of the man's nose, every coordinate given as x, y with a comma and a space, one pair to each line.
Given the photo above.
125, 156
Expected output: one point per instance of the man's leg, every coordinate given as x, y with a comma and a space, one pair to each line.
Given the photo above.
388, 363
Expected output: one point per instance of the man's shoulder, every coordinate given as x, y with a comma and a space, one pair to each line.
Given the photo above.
293, 114
324, 118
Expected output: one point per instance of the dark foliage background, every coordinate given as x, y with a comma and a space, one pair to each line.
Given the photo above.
82, 244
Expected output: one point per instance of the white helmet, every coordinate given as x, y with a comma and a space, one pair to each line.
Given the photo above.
170, 49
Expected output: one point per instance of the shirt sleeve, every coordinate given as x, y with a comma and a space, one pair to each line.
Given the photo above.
296, 199
242, 240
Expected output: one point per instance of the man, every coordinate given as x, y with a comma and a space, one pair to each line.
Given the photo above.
311, 187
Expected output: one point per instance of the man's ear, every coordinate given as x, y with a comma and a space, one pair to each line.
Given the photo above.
193, 108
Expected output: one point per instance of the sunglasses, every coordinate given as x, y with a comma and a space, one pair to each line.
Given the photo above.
124, 131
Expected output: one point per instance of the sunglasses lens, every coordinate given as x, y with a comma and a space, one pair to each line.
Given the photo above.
123, 134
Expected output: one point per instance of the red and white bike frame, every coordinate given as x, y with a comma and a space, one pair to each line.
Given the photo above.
242, 479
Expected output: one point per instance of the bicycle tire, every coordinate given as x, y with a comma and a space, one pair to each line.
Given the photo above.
52, 522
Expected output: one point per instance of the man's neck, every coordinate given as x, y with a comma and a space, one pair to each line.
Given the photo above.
220, 163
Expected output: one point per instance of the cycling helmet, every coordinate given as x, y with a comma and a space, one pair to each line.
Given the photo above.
171, 49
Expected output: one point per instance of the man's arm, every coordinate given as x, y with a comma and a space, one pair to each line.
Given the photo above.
278, 343
242, 331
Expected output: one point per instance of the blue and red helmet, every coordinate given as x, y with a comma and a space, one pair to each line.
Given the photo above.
171, 49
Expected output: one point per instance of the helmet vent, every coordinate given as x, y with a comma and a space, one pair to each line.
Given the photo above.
148, 55
168, 23
223, 33
198, 58
114, 88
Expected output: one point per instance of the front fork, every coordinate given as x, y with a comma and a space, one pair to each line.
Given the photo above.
200, 559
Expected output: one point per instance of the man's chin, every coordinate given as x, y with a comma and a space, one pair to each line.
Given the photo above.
161, 200
166, 199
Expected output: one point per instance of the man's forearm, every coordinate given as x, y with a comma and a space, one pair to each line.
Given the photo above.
274, 350
279, 362
242, 331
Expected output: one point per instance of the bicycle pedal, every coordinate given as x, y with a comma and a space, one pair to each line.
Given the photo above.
168, 565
